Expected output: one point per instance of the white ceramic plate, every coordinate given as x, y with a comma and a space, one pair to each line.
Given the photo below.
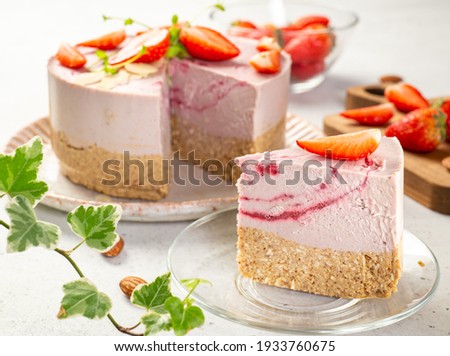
182, 203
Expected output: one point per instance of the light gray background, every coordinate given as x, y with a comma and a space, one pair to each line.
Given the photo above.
406, 37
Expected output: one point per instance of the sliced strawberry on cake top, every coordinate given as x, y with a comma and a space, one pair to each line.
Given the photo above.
207, 44
106, 42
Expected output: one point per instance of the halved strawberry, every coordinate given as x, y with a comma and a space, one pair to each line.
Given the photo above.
405, 97
267, 44
243, 23
253, 33
421, 130
310, 46
205, 43
446, 108
70, 57
106, 42
267, 62
371, 115
307, 70
350, 146
156, 42
305, 21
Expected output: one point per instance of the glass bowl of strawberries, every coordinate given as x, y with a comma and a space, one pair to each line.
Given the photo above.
313, 35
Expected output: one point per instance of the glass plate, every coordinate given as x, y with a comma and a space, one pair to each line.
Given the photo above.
207, 249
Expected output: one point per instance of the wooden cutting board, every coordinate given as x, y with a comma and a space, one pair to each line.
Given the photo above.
426, 180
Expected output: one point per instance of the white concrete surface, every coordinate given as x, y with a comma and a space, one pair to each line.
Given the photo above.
406, 37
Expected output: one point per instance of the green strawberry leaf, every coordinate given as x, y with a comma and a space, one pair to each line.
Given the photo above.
152, 296
81, 297
26, 231
184, 316
155, 323
19, 170
96, 225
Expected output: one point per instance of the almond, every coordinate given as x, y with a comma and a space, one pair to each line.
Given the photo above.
89, 78
141, 69
128, 284
115, 250
386, 79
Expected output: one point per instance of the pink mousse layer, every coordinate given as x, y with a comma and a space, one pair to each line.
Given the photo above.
132, 117
346, 206
229, 98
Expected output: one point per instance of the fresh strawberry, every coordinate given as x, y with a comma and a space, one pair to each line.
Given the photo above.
106, 42
155, 41
421, 130
305, 21
350, 146
371, 115
267, 44
205, 43
288, 35
70, 57
243, 23
253, 33
307, 70
269, 29
446, 108
267, 62
405, 97
310, 46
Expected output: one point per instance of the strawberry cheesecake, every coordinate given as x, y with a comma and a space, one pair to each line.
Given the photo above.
121, 105
323, 225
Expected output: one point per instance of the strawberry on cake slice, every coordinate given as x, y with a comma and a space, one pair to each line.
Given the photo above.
326, 218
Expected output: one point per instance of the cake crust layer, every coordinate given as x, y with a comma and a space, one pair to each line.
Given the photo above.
187, 138
83, 166
270, 259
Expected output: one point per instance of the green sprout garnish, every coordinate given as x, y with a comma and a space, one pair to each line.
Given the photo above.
126, 21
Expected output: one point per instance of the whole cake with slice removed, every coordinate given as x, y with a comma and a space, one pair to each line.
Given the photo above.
120, 104
325, 218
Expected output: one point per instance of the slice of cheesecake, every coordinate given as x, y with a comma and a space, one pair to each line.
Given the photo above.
330, 227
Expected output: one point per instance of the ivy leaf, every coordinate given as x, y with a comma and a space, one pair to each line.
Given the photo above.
184, 316
155, 323
96, 225
81, 297
192, 283
26, 231
152, 296
18, 173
